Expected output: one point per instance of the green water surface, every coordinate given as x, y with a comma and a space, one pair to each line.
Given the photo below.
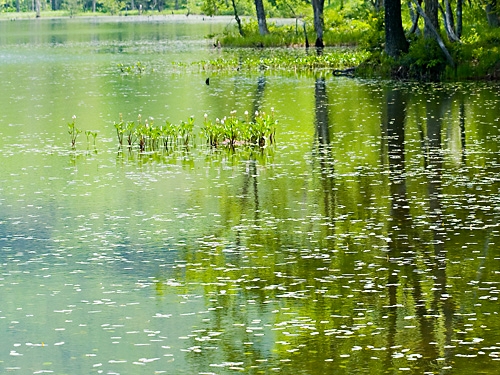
365, 241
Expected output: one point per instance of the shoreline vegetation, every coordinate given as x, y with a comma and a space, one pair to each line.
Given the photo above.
358, 46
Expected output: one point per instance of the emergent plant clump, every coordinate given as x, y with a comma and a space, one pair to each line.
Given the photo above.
257, 130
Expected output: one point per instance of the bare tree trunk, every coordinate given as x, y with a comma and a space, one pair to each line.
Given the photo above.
318, 6
395, 39
449, 14
261, 17
458, 30
431, 19
237, 18
435, 33
93, 6
448, 22
305, 36
414, 18
37, 8
18, 6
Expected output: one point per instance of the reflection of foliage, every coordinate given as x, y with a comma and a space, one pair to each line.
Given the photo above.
355, 282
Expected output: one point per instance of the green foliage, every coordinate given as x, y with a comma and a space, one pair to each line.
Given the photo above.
232, 131
135, 69
285, 35
374, 38
424, 61
147, 136
73, 131
288, 60
73, 6
223, 7
480, 55
112, 6
338, 31
89, 134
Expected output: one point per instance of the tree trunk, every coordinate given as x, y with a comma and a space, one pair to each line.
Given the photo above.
237, 18
458, 30
261, 17
93, 6
318, 6
18, 6
431, 21
305, 36
37, 8
414, 19
449, 24
395, 39
435, 33
493, 14
449, 15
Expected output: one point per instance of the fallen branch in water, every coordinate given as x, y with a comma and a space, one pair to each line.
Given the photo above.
349, 72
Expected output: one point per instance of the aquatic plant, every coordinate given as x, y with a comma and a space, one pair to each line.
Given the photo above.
73, 131
231, 131
134, 69
287, 60
149, 136
90, 133
186, 130
120, 129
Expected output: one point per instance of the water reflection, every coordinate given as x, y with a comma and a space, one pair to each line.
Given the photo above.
350, 247
322, 153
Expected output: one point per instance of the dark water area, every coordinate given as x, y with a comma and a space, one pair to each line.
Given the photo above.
364, 241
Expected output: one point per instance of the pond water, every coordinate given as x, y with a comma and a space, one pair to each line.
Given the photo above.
364, 241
